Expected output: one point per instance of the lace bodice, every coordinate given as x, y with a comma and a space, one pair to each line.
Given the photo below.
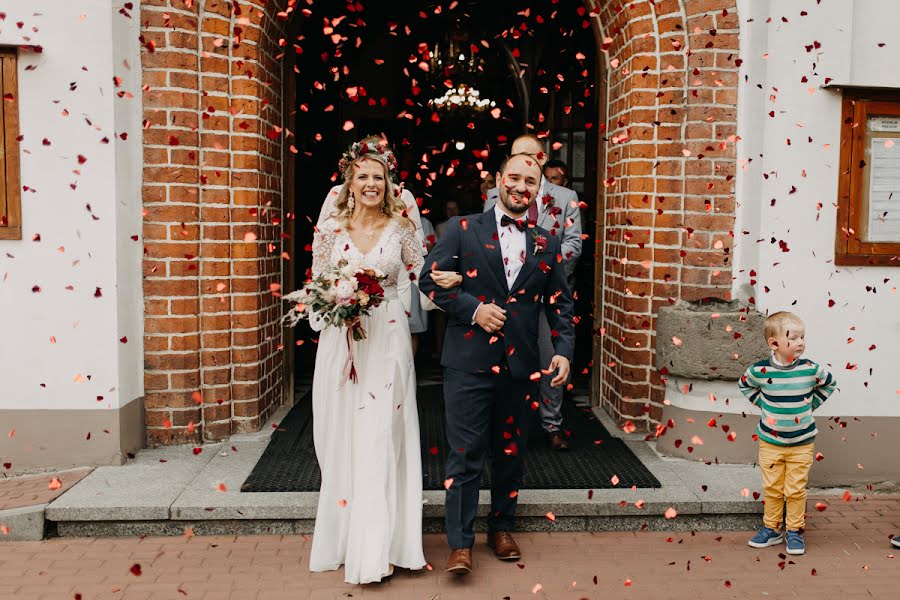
397, 253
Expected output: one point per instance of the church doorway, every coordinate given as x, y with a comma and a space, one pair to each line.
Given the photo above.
451, 85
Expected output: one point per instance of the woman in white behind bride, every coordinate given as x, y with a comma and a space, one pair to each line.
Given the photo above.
366, 434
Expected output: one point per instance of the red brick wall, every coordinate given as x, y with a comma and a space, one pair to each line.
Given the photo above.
213, 199
669, 189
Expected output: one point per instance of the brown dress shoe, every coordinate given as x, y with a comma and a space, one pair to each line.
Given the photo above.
555, 441
505, 547
460, 561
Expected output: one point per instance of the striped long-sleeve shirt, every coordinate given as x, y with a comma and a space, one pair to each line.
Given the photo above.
787, 396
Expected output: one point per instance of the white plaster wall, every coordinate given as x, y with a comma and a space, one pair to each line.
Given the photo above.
129, 220
805, 278
84, 43
751, 104
875, 22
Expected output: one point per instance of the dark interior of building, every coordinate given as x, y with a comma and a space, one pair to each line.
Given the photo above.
379, 67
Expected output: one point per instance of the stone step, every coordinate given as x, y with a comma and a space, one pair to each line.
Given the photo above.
165, 491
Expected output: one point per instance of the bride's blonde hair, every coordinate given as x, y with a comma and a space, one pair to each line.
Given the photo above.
373, 147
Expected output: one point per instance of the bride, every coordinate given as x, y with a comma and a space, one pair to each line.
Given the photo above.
366, 434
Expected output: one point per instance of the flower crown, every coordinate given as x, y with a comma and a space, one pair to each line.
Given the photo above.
359, 149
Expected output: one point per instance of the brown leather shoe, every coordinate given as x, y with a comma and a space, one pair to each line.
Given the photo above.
460, 561
505, 547
556, 441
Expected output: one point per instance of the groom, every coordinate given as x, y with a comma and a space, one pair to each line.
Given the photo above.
511, 272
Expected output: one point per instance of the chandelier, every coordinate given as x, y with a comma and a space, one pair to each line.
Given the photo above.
450, 65
462, 97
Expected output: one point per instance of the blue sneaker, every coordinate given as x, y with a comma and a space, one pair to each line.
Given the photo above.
765, 538
795, 543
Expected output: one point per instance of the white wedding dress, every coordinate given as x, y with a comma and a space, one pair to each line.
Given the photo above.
366, 434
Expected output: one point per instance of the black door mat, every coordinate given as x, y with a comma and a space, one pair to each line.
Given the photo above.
289, 464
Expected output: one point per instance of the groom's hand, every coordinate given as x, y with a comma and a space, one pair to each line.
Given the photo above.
561, 363
490, 317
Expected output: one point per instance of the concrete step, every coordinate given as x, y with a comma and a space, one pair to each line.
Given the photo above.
165, 491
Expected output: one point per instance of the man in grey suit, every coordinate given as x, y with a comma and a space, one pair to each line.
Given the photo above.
556, 210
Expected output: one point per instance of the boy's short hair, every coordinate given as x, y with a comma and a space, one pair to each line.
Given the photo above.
779, 322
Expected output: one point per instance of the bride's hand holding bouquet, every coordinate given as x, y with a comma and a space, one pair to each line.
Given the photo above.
338, 297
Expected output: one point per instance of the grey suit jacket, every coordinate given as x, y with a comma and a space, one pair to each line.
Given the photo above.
561, 217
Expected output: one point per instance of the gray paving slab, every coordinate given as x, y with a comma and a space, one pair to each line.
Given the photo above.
230, 466
721, 488
22, 524
142, 489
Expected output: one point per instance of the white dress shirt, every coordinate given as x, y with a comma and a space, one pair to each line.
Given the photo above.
512, 247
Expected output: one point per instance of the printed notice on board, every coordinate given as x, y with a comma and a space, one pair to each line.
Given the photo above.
883, 124
884, 190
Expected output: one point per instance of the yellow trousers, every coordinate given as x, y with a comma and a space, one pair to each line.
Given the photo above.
785, 473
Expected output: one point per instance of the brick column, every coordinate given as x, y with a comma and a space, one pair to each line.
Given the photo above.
669, 203
213, 202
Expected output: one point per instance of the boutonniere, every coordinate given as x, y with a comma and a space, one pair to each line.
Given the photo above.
540, 242
547, 200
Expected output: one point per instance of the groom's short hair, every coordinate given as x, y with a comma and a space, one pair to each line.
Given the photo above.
506, 160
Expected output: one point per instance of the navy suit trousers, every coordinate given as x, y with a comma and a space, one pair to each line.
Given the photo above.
484, 412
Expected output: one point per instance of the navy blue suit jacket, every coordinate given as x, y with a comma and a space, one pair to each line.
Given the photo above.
471, 246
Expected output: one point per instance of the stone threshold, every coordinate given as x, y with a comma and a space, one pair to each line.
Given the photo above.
170, 490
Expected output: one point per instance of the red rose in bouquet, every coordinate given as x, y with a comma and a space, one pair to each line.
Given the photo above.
370, 284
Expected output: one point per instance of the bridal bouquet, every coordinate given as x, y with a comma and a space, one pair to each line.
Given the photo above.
339, 297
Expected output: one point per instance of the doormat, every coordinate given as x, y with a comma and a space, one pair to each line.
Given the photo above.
289, 463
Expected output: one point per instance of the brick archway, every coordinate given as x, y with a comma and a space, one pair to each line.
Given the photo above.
216, 155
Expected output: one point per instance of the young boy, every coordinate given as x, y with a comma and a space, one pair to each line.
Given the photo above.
787, 389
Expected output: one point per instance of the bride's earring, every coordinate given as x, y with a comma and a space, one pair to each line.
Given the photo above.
351, 202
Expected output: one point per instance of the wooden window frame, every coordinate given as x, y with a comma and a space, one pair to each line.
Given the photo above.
10, 192
849, 248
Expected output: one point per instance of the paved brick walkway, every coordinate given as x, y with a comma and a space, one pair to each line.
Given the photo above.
848, 556
29, 490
